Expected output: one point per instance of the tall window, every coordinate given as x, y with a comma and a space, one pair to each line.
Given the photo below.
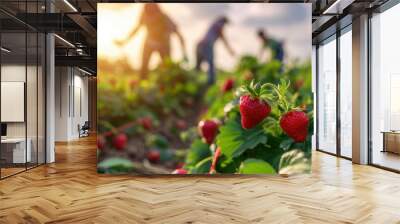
327, 96
22, 79
346, 93
385, 87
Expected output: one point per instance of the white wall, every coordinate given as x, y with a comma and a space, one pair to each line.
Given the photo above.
33, 126
71, 93
62, 81
13, 73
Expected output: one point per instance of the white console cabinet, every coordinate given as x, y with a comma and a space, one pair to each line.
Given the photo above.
18, 149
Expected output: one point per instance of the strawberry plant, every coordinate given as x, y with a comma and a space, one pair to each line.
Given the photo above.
268, 134
256, 119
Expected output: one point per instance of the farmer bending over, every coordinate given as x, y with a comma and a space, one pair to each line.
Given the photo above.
205, 48
159, 30
277, 52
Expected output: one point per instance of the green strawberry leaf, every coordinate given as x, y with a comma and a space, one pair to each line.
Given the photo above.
256, 166
286, 144
270, 154
294, 161
202, 167
157, 141
166, 155
234, 140
115, 165
197, 152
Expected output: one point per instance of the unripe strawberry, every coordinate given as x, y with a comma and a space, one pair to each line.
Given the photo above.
227, 86
180, 171
295, 124
153, 155
253, 110
208, 130
120, 141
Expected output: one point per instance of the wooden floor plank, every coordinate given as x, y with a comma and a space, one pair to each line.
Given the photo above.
70, 191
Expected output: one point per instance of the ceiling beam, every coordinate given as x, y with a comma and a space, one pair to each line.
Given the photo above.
84, 24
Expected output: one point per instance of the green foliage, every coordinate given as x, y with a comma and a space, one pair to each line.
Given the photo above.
202, 167
172, 93
156, 141
197, 152
166, 155
266, 143
234, 140
256, 166
115, 165
248, 62
294, 161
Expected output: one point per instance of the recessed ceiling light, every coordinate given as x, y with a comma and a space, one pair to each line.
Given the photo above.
64, 40
335, 7
84, 71
5, 50
70, 5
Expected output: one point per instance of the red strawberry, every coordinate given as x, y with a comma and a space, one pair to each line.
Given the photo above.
253, 110
180, 171
153, 156
146, 123
295, 124
208, 130
181, 124
120, 141
227, 86
179, 165
100, 142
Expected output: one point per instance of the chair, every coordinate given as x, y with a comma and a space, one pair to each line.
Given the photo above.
84, 130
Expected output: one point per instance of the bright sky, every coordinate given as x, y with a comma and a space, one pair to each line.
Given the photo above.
288, 22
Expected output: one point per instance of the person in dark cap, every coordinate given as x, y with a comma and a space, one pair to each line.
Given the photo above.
276, 47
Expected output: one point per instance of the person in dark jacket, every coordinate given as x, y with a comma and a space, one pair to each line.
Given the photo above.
205, 48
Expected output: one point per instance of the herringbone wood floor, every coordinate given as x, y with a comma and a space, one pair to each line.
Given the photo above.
70, 191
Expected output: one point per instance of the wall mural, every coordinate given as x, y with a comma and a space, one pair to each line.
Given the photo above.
221, 88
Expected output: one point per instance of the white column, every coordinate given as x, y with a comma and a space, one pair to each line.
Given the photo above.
314, 90
50, 92
360, 90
